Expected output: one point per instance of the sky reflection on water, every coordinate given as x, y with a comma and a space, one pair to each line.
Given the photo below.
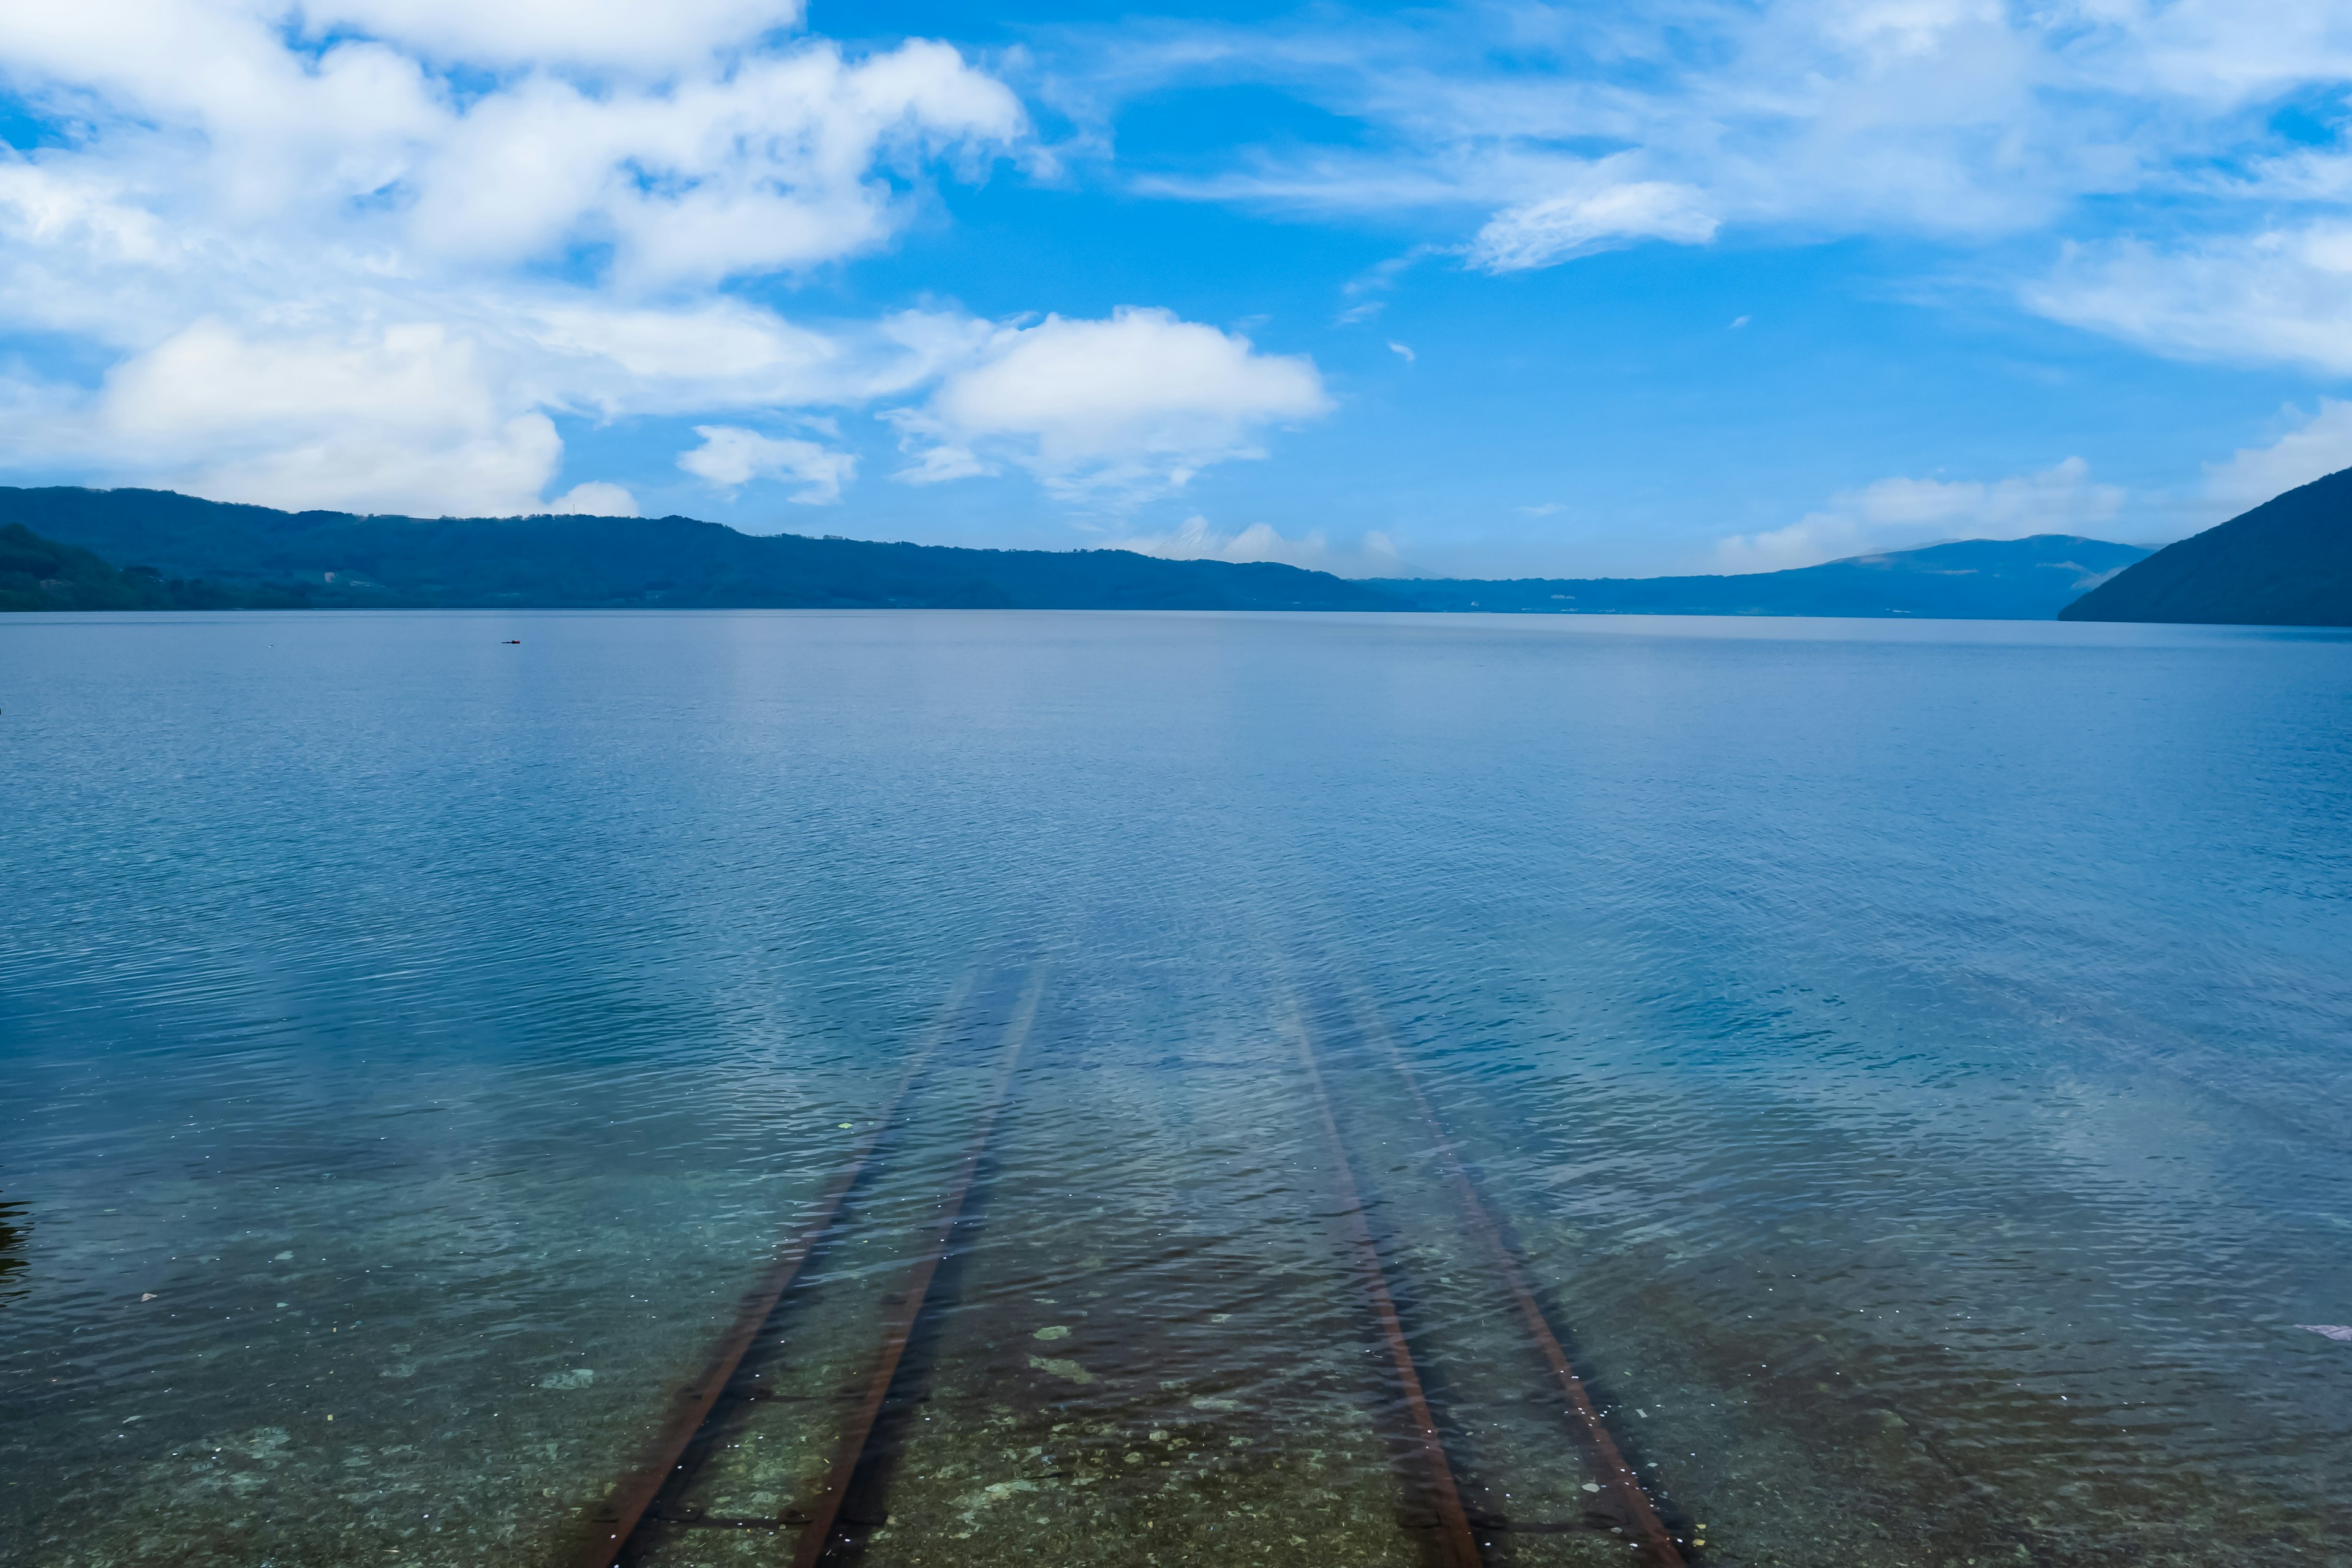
1911, 1061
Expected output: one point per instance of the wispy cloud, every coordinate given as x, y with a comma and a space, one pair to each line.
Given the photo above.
2274, 294
1603, 214
2312, 446
1525, 136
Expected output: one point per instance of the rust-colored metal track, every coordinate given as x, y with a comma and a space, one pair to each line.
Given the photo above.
1455, 1545
817, 1533
614, 1524
653, 1495
1637, 1516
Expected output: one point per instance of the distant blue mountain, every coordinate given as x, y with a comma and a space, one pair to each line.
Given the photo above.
1974, 579
83, 549
179, 552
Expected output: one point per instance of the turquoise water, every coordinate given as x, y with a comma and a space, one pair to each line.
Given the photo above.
1911, 1063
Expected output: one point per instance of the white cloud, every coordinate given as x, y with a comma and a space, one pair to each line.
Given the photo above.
400, 418
2279, 294
2320, 445
730, 458
1905, 513
1960, 118
596, 498
1131, 405
1575, 223
329, 269
1974, 119
407, 414
1195, 539
624, 35
770, 166
1401, 351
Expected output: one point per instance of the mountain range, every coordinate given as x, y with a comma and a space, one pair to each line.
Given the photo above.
1974, 579
207, 554
2288, 562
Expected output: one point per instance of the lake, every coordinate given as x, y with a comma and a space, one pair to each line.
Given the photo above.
1186, 1066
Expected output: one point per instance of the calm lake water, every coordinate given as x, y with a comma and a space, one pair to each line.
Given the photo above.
1911, 1065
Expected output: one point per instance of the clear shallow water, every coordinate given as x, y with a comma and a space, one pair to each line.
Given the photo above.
1914, 1063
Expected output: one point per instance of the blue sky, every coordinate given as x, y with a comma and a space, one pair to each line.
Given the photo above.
1477, 289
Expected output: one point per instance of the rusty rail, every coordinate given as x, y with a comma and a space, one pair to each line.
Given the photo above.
620, 1526
1623, 1486
816, 1534
614, 1523
1456, 1547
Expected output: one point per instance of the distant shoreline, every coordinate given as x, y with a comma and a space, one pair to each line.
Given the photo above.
75, 549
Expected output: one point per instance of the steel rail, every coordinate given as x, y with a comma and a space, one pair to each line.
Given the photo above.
1458, 1547
1621, 1484
615, 1522
816, 1533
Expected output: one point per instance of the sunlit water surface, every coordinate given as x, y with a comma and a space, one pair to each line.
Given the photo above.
1913, 1064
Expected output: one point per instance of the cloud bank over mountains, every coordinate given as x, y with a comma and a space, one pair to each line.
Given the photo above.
364, 253
426, 255
1903, 513
1196, 539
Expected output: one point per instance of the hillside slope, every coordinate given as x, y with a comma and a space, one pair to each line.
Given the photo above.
2288, 562
38, 573
1975, 579
330, 558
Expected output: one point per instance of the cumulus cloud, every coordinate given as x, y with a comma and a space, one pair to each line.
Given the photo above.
404, 417
730, 458
620, 35
596, 498
1903, 513
1122, 407
361, 253
420, 415
364, 252
770, 166
769, 158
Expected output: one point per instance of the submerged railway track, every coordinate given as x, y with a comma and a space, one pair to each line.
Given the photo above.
833, 1512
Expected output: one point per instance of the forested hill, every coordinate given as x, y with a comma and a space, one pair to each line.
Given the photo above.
2288, 562
94, 550
1975, 579
209, 553
38, 573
